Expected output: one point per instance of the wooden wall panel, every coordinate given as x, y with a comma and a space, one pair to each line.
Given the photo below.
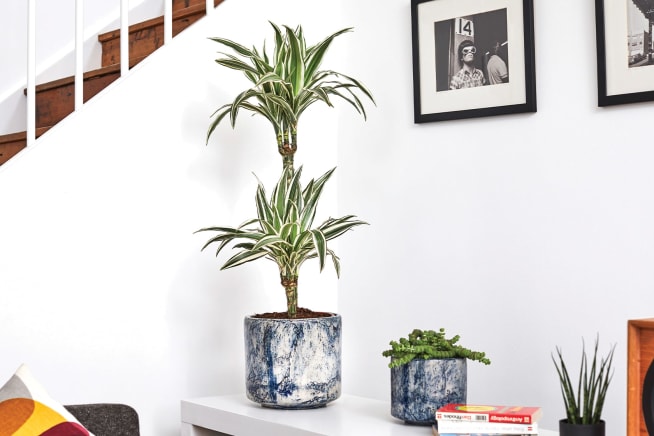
640, 355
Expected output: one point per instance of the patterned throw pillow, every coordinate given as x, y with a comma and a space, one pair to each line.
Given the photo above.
26, 409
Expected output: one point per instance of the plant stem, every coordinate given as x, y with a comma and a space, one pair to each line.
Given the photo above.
287, 148
289, 282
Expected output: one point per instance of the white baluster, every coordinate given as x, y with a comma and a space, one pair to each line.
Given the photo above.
124, 37
79, 54
31, 72
168, 21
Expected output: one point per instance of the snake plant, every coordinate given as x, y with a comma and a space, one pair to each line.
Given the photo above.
283, 231
585, 406
285, 84
429, 344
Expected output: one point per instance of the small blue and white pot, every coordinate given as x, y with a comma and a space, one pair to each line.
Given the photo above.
421, 386
293, 363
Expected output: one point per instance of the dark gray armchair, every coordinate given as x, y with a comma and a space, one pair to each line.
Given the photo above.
107, 419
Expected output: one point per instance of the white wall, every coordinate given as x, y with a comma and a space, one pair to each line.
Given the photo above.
519, 232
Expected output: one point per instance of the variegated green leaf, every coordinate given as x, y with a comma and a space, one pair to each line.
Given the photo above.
320, 245
243, 257
243, 51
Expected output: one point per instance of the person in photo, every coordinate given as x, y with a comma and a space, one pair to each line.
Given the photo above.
497, 69
468, 76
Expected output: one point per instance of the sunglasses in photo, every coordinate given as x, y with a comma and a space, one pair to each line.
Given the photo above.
467, 50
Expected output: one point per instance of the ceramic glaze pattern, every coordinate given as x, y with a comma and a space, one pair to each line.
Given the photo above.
420, 387
293, 364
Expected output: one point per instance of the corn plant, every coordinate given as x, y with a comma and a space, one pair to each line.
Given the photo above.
429, 344
585, 405
285, 84
283, 231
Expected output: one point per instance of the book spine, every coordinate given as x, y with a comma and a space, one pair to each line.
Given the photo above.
461, 416
484, 417
485, 427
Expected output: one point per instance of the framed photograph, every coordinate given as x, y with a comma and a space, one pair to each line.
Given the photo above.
625, 61
472, 58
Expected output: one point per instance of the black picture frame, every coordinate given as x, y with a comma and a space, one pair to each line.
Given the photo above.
438, 28
619, 78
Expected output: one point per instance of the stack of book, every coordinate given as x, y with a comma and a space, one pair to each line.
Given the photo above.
486, 420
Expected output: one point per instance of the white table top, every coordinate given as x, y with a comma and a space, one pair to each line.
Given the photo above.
349, 415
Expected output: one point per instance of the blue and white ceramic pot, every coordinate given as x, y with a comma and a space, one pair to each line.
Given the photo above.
293, 363
420, 387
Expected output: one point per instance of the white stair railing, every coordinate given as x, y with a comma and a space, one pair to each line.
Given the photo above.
31, 71
124, 37
79, 55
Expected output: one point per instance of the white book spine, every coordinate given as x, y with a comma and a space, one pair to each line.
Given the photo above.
486, 427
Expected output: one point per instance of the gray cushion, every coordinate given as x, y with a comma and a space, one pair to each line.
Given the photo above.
107, 419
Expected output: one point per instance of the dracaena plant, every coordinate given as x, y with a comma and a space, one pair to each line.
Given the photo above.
285, 83
584, 404
283, 231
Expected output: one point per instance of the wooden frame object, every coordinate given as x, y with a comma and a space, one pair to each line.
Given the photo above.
623, 76
500, 76
640, 357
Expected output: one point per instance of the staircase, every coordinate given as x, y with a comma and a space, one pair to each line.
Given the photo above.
56, 100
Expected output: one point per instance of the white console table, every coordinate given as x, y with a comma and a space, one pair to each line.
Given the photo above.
349, 415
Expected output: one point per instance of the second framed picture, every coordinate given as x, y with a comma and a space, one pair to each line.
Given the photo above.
472, 58
624, 51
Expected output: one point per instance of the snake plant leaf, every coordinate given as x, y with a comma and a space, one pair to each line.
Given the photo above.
586, 404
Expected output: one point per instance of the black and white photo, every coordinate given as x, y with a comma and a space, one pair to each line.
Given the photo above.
472, 58
625, 64
472, 51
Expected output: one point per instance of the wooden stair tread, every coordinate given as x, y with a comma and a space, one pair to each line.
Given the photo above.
61, 92
13, 143
100, 72
177, 15
22, 136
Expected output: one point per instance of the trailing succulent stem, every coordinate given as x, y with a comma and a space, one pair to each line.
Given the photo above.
585, 406
429, 344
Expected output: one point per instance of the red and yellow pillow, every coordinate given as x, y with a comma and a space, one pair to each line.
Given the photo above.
26, 409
